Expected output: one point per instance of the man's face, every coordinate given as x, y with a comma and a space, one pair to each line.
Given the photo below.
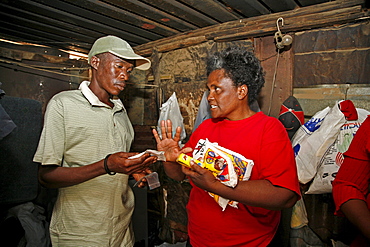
113, 72
223, 96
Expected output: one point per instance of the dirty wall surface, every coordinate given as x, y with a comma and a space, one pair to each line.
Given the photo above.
182, 71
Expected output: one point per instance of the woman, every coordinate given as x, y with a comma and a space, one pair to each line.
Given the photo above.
235, 78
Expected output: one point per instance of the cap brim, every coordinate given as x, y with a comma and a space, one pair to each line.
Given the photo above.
142, 63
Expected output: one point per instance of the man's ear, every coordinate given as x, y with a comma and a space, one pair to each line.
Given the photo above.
94, 62
242, 91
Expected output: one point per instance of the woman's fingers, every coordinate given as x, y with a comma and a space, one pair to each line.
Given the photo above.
156, 136
186, 150
163, 129
169, 129
166, 129
177, 134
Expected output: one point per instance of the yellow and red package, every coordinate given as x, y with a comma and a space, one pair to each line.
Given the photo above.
184, 160
232, 167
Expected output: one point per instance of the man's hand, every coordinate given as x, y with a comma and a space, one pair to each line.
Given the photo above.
139, 176
120, 163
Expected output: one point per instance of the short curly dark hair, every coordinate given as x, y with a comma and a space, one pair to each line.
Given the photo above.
241, 66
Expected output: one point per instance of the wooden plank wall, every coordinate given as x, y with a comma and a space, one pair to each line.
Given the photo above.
332, 64
278, 66
333, 55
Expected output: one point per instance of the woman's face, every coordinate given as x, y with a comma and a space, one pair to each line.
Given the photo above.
223, 96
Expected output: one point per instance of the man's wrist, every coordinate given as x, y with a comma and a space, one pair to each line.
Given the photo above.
106, 165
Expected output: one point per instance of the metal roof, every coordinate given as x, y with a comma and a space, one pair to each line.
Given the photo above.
75, 24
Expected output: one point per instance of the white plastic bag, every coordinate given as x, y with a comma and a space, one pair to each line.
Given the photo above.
204, 111
333, 157
310, 126
310, 149
170, 110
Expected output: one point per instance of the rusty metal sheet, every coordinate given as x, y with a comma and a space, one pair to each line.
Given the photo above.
348, 36
332, 67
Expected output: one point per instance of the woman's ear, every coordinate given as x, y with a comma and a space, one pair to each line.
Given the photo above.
242, 91
94, 62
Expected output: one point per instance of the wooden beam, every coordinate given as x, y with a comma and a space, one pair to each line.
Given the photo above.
320, 15
296, 23
19, 55
175, 44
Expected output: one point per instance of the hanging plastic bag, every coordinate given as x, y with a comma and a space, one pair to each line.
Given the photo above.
310, 148
310, 126
204, 111
333, 157
170, 110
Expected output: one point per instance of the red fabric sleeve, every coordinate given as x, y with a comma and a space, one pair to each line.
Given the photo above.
352, 180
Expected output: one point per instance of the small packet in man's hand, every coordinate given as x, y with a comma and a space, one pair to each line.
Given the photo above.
159, 154
152, 180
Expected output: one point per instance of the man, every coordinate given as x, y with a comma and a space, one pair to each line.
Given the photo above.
235, 78
84, 143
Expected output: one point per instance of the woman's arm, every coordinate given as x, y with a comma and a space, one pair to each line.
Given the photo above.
358, 214
257, 193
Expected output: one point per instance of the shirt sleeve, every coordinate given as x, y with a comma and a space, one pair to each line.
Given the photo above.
352, 180
51, 144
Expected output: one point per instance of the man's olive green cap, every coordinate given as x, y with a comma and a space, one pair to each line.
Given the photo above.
120, 48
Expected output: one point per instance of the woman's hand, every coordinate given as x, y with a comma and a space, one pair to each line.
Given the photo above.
169, 144
201, 177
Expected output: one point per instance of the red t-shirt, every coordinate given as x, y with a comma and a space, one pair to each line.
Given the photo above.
264, 140
353, 177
